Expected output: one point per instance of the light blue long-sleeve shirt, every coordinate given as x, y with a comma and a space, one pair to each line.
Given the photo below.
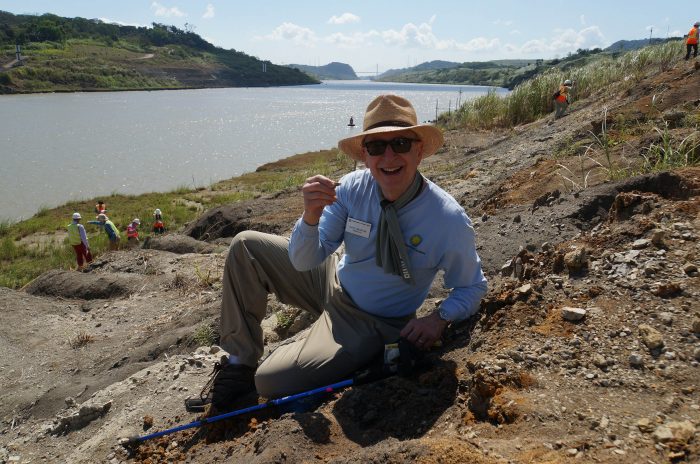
437, 232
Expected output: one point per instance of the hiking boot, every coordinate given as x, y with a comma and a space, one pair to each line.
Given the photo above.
228, 383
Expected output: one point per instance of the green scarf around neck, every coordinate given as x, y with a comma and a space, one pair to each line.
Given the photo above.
392, 255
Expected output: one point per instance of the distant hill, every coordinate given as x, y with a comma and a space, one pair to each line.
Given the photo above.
69, 54
331, 71
503, 73
627, 45
497, 73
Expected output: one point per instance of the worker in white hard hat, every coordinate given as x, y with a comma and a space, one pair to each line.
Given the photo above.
109, 228
132, 231
158, 224
561, 98
77, 238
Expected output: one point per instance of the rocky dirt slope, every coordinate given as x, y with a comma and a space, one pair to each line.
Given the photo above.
587, 347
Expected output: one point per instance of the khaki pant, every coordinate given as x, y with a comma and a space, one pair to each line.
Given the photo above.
342, 340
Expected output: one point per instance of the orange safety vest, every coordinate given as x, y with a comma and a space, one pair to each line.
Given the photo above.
692, 37
563, 91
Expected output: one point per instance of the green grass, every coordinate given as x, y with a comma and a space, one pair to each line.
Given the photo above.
533, 98
671, 154
204, 335
21, 261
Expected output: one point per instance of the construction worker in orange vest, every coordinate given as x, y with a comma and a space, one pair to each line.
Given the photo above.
561, 99
691, 42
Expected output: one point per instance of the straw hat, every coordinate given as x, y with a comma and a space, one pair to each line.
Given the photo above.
391, 113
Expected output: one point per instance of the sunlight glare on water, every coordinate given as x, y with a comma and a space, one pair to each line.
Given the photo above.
62, 147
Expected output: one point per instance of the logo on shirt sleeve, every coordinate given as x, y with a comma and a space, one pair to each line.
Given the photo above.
416, 240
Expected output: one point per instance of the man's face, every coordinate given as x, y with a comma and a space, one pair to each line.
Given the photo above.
394, 172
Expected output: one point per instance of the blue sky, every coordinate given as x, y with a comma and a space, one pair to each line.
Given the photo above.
371, 35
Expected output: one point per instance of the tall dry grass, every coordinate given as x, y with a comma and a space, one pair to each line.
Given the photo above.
533, 99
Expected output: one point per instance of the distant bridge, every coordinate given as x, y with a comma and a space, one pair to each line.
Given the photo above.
375, 72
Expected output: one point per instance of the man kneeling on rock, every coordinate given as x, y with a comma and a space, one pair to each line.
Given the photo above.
399, 230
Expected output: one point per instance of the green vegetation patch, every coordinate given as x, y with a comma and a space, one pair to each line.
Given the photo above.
35, 245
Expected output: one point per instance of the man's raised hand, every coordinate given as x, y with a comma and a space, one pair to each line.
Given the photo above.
318, 192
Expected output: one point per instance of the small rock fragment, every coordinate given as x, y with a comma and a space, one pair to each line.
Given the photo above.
651, 337
644, 425
572, 314
576, 260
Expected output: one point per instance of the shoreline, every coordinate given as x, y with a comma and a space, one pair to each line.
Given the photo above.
155, 89
281, 161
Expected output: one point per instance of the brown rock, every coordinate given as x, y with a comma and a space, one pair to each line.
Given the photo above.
651, 337
696, 325
576, 260
657, 237
666, 289
645, 425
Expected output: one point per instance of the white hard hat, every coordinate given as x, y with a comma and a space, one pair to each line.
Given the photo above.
567, 83
157, 211
101, 217
136, 221
77, 216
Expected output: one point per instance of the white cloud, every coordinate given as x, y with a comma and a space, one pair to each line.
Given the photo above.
479, 44
296, 34
419, 36
503, 22
582, 18
566, 40
345, 18
422, 37
209, 12
120, 23
164, 11
356, 40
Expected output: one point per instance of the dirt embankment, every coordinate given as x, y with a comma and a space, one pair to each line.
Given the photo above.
586, 348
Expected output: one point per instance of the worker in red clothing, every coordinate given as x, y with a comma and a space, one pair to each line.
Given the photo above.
561, 99
78, 240
691, 42
132, 232
100, 207
158, 224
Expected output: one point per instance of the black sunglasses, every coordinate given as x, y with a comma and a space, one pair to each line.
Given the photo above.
398, 145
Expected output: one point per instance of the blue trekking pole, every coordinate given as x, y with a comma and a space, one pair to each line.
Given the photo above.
208, 420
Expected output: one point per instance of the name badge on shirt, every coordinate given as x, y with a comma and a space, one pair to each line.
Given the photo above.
355, 227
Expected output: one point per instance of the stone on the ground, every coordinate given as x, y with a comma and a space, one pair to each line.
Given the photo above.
690, 269
575, 260
683, 431
662, 434
572, 314
657, 237
645, 425
696, 325
641, 243
651, 337
636, 360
